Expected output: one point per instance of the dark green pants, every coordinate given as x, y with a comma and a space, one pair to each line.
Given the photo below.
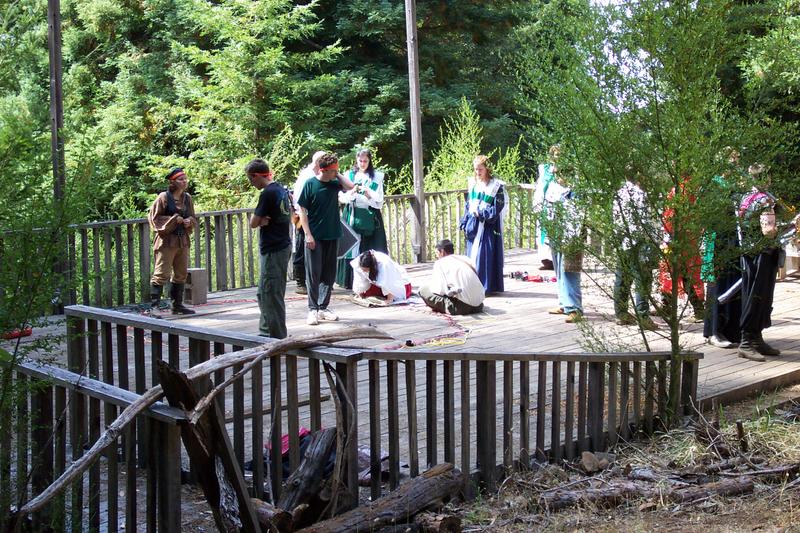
271, 293
445, 304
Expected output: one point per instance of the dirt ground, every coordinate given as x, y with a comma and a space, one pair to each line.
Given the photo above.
770, 508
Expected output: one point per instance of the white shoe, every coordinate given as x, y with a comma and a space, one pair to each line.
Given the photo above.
313, 318
328, 315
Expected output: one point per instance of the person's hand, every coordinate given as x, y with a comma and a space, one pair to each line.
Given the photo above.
179, 219
310, 242
389, 298
188, 222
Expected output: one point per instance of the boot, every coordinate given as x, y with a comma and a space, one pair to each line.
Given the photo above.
300, 279
155, 296
747, 348
177, 300
763, 348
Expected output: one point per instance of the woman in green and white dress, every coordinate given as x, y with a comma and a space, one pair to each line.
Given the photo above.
362, 211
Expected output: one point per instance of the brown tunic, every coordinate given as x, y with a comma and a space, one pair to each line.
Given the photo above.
164, 225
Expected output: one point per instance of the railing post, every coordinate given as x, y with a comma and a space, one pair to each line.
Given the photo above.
169, 475
690, 369
596, 401
144, 259
486, 394
76, 361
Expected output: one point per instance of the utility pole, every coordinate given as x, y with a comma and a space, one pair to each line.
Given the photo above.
60, 265
56, 98
416, 130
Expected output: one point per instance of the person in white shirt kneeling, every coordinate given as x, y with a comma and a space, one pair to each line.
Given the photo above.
455, 287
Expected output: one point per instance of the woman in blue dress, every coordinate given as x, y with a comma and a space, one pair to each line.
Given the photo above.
483, 224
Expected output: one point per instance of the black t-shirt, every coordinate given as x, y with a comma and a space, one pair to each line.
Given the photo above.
274, 203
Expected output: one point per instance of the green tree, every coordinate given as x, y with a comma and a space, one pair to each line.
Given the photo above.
633, 87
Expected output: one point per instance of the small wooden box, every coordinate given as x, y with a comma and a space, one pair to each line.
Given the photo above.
196, 289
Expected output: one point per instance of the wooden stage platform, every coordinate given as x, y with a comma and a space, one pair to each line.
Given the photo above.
517, 320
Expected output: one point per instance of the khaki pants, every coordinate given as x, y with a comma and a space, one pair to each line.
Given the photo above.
174, 261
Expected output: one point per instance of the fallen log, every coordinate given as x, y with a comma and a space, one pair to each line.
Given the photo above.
615, 493
272, 518
151, 396
438, 523
610, 494
305, 482
726, 487
429, 490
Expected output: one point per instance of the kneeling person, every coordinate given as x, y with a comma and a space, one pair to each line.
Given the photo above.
376, 274
455, 288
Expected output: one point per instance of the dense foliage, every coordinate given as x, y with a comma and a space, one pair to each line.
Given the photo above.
208, 85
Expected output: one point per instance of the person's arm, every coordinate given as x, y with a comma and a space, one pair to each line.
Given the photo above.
490, 213
160, 222
257, 221
345, 182
310, 242
261, 212
190, 221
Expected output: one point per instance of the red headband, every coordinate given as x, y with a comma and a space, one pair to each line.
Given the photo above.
176, 175
332, 166
267, 175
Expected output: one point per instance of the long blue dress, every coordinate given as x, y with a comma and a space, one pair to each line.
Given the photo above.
483, 226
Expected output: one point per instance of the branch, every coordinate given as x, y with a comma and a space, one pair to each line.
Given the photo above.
151, 396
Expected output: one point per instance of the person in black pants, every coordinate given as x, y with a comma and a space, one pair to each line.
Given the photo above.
319, 215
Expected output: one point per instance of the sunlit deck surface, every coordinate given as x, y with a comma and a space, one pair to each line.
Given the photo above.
517, 320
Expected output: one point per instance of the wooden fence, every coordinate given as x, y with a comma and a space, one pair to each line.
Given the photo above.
110, 263
481, 411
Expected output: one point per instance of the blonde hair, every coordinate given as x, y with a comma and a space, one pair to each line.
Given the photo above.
483, 160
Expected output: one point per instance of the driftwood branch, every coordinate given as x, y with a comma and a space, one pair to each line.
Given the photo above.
78, 467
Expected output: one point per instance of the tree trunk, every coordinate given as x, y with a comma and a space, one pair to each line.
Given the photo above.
305, 482
272, 518
426, 491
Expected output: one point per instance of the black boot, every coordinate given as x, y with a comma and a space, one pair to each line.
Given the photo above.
763, 348
747, 348
300, 279
177, 300
155, 296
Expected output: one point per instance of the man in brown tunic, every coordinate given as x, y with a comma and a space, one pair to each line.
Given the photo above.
172, 219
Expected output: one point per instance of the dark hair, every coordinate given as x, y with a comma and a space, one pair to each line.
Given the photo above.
327, 160
367, 260
256, 166
446, 246
370, 168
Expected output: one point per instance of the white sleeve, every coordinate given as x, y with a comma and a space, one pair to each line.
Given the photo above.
392, 278
361, 280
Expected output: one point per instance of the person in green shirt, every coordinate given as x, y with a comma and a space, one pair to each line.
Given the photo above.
319, 216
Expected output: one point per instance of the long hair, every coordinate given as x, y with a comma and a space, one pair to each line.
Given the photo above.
367, 260
370, 168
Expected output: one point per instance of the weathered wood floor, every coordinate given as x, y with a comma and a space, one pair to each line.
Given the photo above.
517, 320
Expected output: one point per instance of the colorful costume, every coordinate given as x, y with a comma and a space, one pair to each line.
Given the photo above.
483, 226
171, 247
370, 240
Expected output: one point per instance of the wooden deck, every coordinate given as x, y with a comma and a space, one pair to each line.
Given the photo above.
517, 320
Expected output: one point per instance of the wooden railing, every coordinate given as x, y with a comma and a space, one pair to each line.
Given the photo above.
481, 411
52, 424
111, 262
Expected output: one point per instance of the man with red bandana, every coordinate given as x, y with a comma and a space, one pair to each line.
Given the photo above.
319, 216
172, 219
